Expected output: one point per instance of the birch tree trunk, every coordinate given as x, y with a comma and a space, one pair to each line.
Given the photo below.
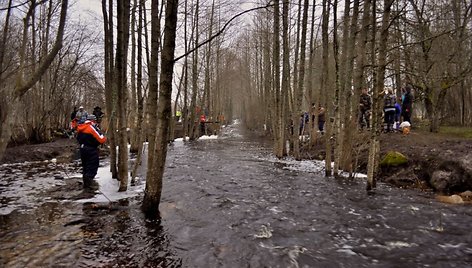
300, 91
153, 189
110, 92
133, 102
358, 78
277, 111
206, 87
193, 124
313, 97
139, 91
340, 70
324, 83
285, 90
123, 16
378, 90
152, 169
185, 112
350, 110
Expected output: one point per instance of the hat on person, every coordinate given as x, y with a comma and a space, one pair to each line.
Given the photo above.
91, 117
81, 107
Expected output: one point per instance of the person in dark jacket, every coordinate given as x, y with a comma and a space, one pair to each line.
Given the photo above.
97, 111
389, 109
407, 101
89, 138
365, 104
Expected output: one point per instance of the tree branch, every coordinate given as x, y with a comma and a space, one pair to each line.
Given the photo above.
221, 30
23, 88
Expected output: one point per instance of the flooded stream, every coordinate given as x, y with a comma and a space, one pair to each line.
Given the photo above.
226, 202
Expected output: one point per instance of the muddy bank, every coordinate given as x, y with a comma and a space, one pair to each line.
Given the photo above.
64, 150
433, 161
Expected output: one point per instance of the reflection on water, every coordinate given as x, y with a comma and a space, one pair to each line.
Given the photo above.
228, 203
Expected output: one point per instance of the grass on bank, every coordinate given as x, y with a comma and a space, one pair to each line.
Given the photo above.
445, 130
461, 132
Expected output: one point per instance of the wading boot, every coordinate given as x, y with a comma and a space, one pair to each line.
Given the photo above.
90, 184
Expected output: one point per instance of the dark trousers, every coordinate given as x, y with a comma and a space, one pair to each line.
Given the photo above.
202, 129
364, 115
90, 161
407, 117
321, 125
389, 119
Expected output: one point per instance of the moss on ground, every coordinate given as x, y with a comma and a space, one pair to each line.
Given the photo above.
393, 159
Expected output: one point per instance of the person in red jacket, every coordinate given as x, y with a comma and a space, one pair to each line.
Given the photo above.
202, 124
89, 138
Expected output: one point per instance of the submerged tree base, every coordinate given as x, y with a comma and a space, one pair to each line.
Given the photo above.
151, 209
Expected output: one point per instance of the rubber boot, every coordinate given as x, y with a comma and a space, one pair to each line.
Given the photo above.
90, 184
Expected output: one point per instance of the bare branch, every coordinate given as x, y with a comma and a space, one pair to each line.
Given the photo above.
221, 30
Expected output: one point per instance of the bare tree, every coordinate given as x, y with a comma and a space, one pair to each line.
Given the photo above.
153, 190
110, 93
324, 84
378, 92
24, 84
139, 89
299, 90
439, 68
277, 123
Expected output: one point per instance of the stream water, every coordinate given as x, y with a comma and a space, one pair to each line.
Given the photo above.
226, 202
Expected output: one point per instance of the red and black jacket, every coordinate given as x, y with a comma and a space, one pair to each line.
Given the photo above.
89, 135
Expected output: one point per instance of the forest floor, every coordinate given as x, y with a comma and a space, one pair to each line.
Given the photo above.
424, 150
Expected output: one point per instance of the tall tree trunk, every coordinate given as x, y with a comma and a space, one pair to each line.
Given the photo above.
324, 83
313, 97
152, 169
110, 93
123, 12
285, 108
193, 131
349, 122
206, 88
378, 89
278, 123
294, 116
299, 94
340, 70
139, 92
185, 112
133, 102
268, 78
358, 78
153, 190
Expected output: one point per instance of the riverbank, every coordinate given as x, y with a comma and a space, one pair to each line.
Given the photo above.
439, 162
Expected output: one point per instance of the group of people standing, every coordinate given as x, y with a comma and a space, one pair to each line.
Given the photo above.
89, 138
395, 109
305, 119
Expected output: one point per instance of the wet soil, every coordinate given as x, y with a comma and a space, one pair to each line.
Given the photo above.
424, 150
64, 150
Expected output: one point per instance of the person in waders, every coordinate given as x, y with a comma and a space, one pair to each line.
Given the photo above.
89, 138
